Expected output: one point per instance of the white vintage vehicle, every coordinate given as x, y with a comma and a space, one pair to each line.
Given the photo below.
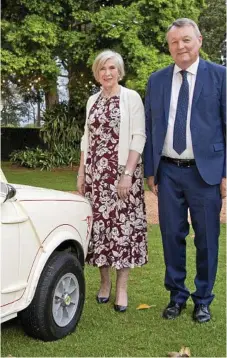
44, 241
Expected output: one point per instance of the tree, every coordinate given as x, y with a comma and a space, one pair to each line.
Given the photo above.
28, 41
40, 37
138, 32
212, 23
13, 109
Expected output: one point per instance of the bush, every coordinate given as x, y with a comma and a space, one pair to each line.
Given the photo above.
61, 126
46, 160
62, 131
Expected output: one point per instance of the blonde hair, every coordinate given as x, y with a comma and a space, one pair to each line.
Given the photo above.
101, 59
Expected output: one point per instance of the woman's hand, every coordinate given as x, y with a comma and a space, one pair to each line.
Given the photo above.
80, 184
124, 186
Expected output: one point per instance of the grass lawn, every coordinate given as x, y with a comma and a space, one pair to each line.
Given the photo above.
64, 179
104, 332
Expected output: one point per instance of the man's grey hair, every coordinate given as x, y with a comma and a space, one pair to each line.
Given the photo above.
185, 22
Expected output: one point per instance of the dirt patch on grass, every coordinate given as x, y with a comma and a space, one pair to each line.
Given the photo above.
152, 209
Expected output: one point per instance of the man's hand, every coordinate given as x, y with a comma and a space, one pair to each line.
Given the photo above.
152, 186
223, 188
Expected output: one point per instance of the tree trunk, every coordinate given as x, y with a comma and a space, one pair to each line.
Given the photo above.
51, 96
72, 84
38, 114
78, 90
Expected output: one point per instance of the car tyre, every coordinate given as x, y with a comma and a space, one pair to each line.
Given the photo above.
58, 301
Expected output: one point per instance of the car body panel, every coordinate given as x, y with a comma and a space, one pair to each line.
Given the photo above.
34, 224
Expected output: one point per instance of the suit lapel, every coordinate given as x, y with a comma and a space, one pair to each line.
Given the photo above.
167, 83
200, 79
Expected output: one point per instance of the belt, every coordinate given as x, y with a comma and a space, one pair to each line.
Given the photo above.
179, 162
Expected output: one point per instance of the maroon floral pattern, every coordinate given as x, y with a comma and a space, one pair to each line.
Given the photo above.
119, 228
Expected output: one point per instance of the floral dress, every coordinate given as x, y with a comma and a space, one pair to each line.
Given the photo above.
119, 228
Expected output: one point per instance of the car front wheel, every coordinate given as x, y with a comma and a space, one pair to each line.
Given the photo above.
58, 302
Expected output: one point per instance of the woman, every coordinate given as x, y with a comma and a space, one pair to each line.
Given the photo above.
110, 176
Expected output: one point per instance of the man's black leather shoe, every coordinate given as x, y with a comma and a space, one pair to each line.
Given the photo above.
173, 310
201, 313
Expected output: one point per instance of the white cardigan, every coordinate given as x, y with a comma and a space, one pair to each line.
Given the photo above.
132, 126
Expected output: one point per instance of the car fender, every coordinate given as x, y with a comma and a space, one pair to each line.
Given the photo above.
50, 244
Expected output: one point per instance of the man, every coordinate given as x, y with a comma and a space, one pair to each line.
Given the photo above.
185, 163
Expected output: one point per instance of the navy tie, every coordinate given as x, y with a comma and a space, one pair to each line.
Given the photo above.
179, 134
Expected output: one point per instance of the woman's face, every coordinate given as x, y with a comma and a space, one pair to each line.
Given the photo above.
109, 75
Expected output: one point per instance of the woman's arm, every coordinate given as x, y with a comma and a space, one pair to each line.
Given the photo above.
137, 122
83, 148
125, 182
81, 175
132, 162
137, 131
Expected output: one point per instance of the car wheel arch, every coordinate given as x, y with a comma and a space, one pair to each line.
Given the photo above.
60, 243
74, 247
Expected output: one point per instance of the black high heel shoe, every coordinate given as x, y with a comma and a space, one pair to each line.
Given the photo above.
103, 299
119, 308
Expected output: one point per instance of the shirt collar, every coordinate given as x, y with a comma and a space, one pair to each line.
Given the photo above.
192, 69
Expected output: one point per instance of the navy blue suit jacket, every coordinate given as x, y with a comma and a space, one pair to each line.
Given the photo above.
208, 120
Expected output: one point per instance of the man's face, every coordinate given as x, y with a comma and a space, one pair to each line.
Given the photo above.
184, 45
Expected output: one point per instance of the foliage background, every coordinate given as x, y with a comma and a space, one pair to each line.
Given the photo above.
42, 40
